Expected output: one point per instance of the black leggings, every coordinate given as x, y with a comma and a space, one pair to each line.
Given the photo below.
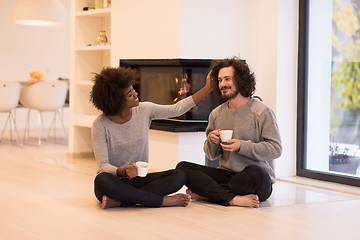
221, 186
148, 191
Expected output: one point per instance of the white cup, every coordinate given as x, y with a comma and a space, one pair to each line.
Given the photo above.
142, 168
225, 135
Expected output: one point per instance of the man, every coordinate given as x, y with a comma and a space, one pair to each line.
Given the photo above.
246, 172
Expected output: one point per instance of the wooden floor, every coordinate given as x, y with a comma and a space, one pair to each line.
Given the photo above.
44, 195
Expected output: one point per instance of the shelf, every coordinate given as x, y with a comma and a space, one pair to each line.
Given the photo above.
87, 59
94, 48
94, 13
84, 120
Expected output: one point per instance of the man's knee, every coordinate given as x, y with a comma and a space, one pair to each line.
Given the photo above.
180, 176
183, 165
256, 172
261, 180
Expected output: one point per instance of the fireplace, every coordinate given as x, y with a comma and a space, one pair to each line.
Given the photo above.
166, 81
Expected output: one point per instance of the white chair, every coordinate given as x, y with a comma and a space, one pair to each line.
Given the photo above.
9, 99
44, 97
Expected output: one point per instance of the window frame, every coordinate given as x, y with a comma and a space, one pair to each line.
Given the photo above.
302, 103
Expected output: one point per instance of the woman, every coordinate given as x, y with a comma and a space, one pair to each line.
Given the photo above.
120, 138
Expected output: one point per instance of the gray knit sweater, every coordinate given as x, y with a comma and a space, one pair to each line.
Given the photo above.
255, 125
118, 145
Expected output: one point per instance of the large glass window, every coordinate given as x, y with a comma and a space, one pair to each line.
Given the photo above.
329, 90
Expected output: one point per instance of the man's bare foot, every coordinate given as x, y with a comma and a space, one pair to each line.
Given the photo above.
109, 202
179, 199
250, 200
195, 196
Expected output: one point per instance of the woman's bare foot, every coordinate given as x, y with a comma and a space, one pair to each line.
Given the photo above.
179, 199
195, 196
250, 200
109, 202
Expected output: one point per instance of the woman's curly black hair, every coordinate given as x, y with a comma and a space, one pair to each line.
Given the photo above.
107, 93
244, 79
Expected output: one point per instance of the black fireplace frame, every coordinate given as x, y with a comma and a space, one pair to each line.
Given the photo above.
172, 125
167, 62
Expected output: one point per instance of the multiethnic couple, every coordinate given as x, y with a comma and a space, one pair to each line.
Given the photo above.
245, 174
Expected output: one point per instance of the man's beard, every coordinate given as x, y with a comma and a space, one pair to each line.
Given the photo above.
230, 96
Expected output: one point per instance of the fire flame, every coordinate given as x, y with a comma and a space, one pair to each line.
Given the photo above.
183, 89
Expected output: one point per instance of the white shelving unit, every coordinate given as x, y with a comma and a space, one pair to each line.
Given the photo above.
86, 58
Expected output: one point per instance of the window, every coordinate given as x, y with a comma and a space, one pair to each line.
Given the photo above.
328, 137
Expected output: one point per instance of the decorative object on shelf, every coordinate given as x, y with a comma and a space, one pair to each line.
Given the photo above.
39, 13
99, 4
107, 3
36, 75
102, 38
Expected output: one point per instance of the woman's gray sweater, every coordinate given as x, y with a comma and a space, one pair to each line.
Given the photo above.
118, 145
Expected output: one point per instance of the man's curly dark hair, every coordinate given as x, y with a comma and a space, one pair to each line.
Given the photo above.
107, 93
244, 79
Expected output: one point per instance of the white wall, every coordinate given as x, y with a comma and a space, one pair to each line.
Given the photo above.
286, 87
23, 48
319, 75
145, 29
213, 30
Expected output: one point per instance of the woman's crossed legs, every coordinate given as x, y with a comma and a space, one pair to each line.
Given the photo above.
150, 191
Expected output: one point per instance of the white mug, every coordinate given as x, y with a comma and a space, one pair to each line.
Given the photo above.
225, 135
142, 168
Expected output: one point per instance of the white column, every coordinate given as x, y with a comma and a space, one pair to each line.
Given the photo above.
319, 84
